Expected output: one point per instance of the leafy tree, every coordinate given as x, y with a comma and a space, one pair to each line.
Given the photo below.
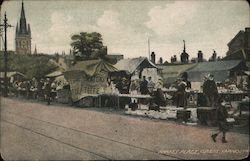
87, 45
30, 65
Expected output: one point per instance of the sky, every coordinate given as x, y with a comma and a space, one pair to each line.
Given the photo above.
127, 25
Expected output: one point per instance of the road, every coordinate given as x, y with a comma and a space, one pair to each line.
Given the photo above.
34, 131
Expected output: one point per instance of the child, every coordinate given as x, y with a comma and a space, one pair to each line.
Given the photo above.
222, 114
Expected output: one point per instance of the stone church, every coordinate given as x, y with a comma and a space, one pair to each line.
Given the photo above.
23, 35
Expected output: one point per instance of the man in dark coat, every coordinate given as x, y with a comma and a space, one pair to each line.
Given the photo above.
181, 93
144, 86
210, 90
221, 115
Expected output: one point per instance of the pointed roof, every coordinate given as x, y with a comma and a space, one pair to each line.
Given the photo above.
133, 64
22, 12
17, 28
23, 28
29, 32
35, 51
91, 67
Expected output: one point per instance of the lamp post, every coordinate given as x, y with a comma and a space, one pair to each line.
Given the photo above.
5, 25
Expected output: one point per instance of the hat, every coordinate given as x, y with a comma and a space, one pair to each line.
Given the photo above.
211, 77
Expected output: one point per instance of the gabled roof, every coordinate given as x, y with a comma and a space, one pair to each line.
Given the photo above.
92, 67
132, 64
10, 74
170, 73
239, 33
216, 65
241, 54
55, 74
220, 70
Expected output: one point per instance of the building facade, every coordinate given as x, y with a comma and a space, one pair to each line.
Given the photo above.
23, 35
239, 42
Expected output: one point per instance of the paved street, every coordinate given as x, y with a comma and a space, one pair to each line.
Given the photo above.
35, 131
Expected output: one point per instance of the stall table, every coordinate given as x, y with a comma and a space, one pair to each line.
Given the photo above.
138, 96
118, 96
206, 115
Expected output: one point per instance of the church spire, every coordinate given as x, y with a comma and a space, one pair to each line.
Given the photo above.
29, 31
35, 51
23, 26
22, 12
16, 28
184, 49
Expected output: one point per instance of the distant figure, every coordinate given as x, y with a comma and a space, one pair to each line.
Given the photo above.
48, 91
181, 93
144, 86
40, 88
159, 97
185, 79
159, 84
15, 85
133, 105
27, 89
123, 86
222, 114
210, 90
134, 86
153, 106
151, 85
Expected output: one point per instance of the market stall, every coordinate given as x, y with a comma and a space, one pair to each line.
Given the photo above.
88, 79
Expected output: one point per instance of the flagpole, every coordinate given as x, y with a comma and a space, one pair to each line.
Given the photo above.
148, 48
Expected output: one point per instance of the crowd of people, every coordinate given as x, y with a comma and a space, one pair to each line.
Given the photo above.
146, 86
42, 89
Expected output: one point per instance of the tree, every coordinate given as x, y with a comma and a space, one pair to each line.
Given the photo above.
86, 44
30, 65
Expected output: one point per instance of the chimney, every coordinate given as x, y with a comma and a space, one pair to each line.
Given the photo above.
247, 29
214, 56
160, 60
200, 56
153, 57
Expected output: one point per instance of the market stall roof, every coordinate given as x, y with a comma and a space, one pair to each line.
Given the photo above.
55, 74
133, 64
10, 74
92, 67
170, 73
241, 54
220, 69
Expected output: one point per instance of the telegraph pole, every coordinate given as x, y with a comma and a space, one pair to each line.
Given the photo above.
5, 25
148, 49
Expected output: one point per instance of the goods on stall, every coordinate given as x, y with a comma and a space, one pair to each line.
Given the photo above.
183, 115
164, 114
193, 116
230, 120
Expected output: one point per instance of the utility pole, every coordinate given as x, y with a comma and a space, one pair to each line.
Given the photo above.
5, 25
148, 49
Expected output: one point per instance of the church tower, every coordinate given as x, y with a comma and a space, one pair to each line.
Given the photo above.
23, 35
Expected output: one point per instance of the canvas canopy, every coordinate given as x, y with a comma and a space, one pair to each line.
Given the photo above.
131, 65
55, 74
220, 69
10, 74
86, 78
171, 72
92, 67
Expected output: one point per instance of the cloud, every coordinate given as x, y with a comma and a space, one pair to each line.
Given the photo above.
171, 17
204, 25
120, 37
